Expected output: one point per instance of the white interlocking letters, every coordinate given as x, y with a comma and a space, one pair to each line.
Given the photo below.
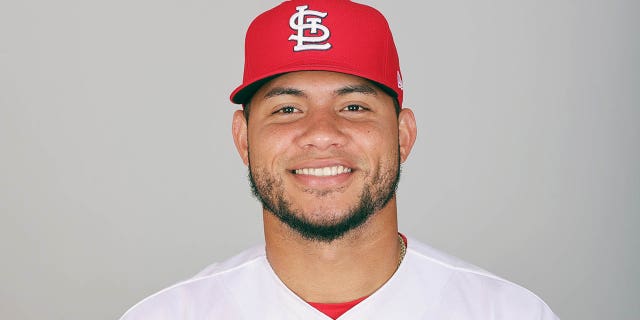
310, 20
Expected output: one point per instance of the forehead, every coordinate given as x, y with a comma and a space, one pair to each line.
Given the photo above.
311, 83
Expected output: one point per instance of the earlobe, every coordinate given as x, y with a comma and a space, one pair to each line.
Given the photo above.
407, 132
239, 132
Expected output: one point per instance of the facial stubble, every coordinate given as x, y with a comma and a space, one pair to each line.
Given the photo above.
375, 195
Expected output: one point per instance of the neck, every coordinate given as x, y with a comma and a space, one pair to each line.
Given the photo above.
345, 269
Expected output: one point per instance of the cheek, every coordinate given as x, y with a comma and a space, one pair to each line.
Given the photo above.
266, 144
380, 137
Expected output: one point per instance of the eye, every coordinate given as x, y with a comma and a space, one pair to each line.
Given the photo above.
354, 107
287, 110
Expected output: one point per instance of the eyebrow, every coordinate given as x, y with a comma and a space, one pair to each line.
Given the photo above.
348, 89
356, 88
280, 91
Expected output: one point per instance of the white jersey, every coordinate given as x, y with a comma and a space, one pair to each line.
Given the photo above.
427, 285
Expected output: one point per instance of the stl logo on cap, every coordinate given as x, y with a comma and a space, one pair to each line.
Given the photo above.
322, 35
310, 20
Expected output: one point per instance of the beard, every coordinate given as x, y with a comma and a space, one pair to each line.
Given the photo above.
375, 195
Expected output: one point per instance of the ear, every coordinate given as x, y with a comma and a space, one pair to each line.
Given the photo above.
239, 132
407, 132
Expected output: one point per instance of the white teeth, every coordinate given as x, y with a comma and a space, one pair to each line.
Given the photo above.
323, 172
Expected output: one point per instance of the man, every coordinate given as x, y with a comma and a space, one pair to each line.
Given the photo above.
323, 132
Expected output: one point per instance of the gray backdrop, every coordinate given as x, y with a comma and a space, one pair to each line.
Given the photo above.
118, 175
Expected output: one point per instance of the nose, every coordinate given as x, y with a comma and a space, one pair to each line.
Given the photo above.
322, 130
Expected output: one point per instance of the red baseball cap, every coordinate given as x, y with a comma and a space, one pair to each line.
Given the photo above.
327, 35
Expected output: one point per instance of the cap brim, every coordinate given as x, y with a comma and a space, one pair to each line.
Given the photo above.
244, 93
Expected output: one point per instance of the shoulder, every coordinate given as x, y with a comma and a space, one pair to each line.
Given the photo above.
465, 286
210, 284
232, 264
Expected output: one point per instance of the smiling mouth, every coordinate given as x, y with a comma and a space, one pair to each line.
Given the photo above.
323, 172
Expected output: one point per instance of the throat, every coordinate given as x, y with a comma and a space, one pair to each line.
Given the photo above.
334, 274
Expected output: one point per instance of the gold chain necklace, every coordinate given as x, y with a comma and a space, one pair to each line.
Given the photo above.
403, 249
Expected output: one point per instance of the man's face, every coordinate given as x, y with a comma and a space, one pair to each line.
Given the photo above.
323, 151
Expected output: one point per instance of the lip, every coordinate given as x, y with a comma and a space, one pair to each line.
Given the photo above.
321, 163
322, 182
